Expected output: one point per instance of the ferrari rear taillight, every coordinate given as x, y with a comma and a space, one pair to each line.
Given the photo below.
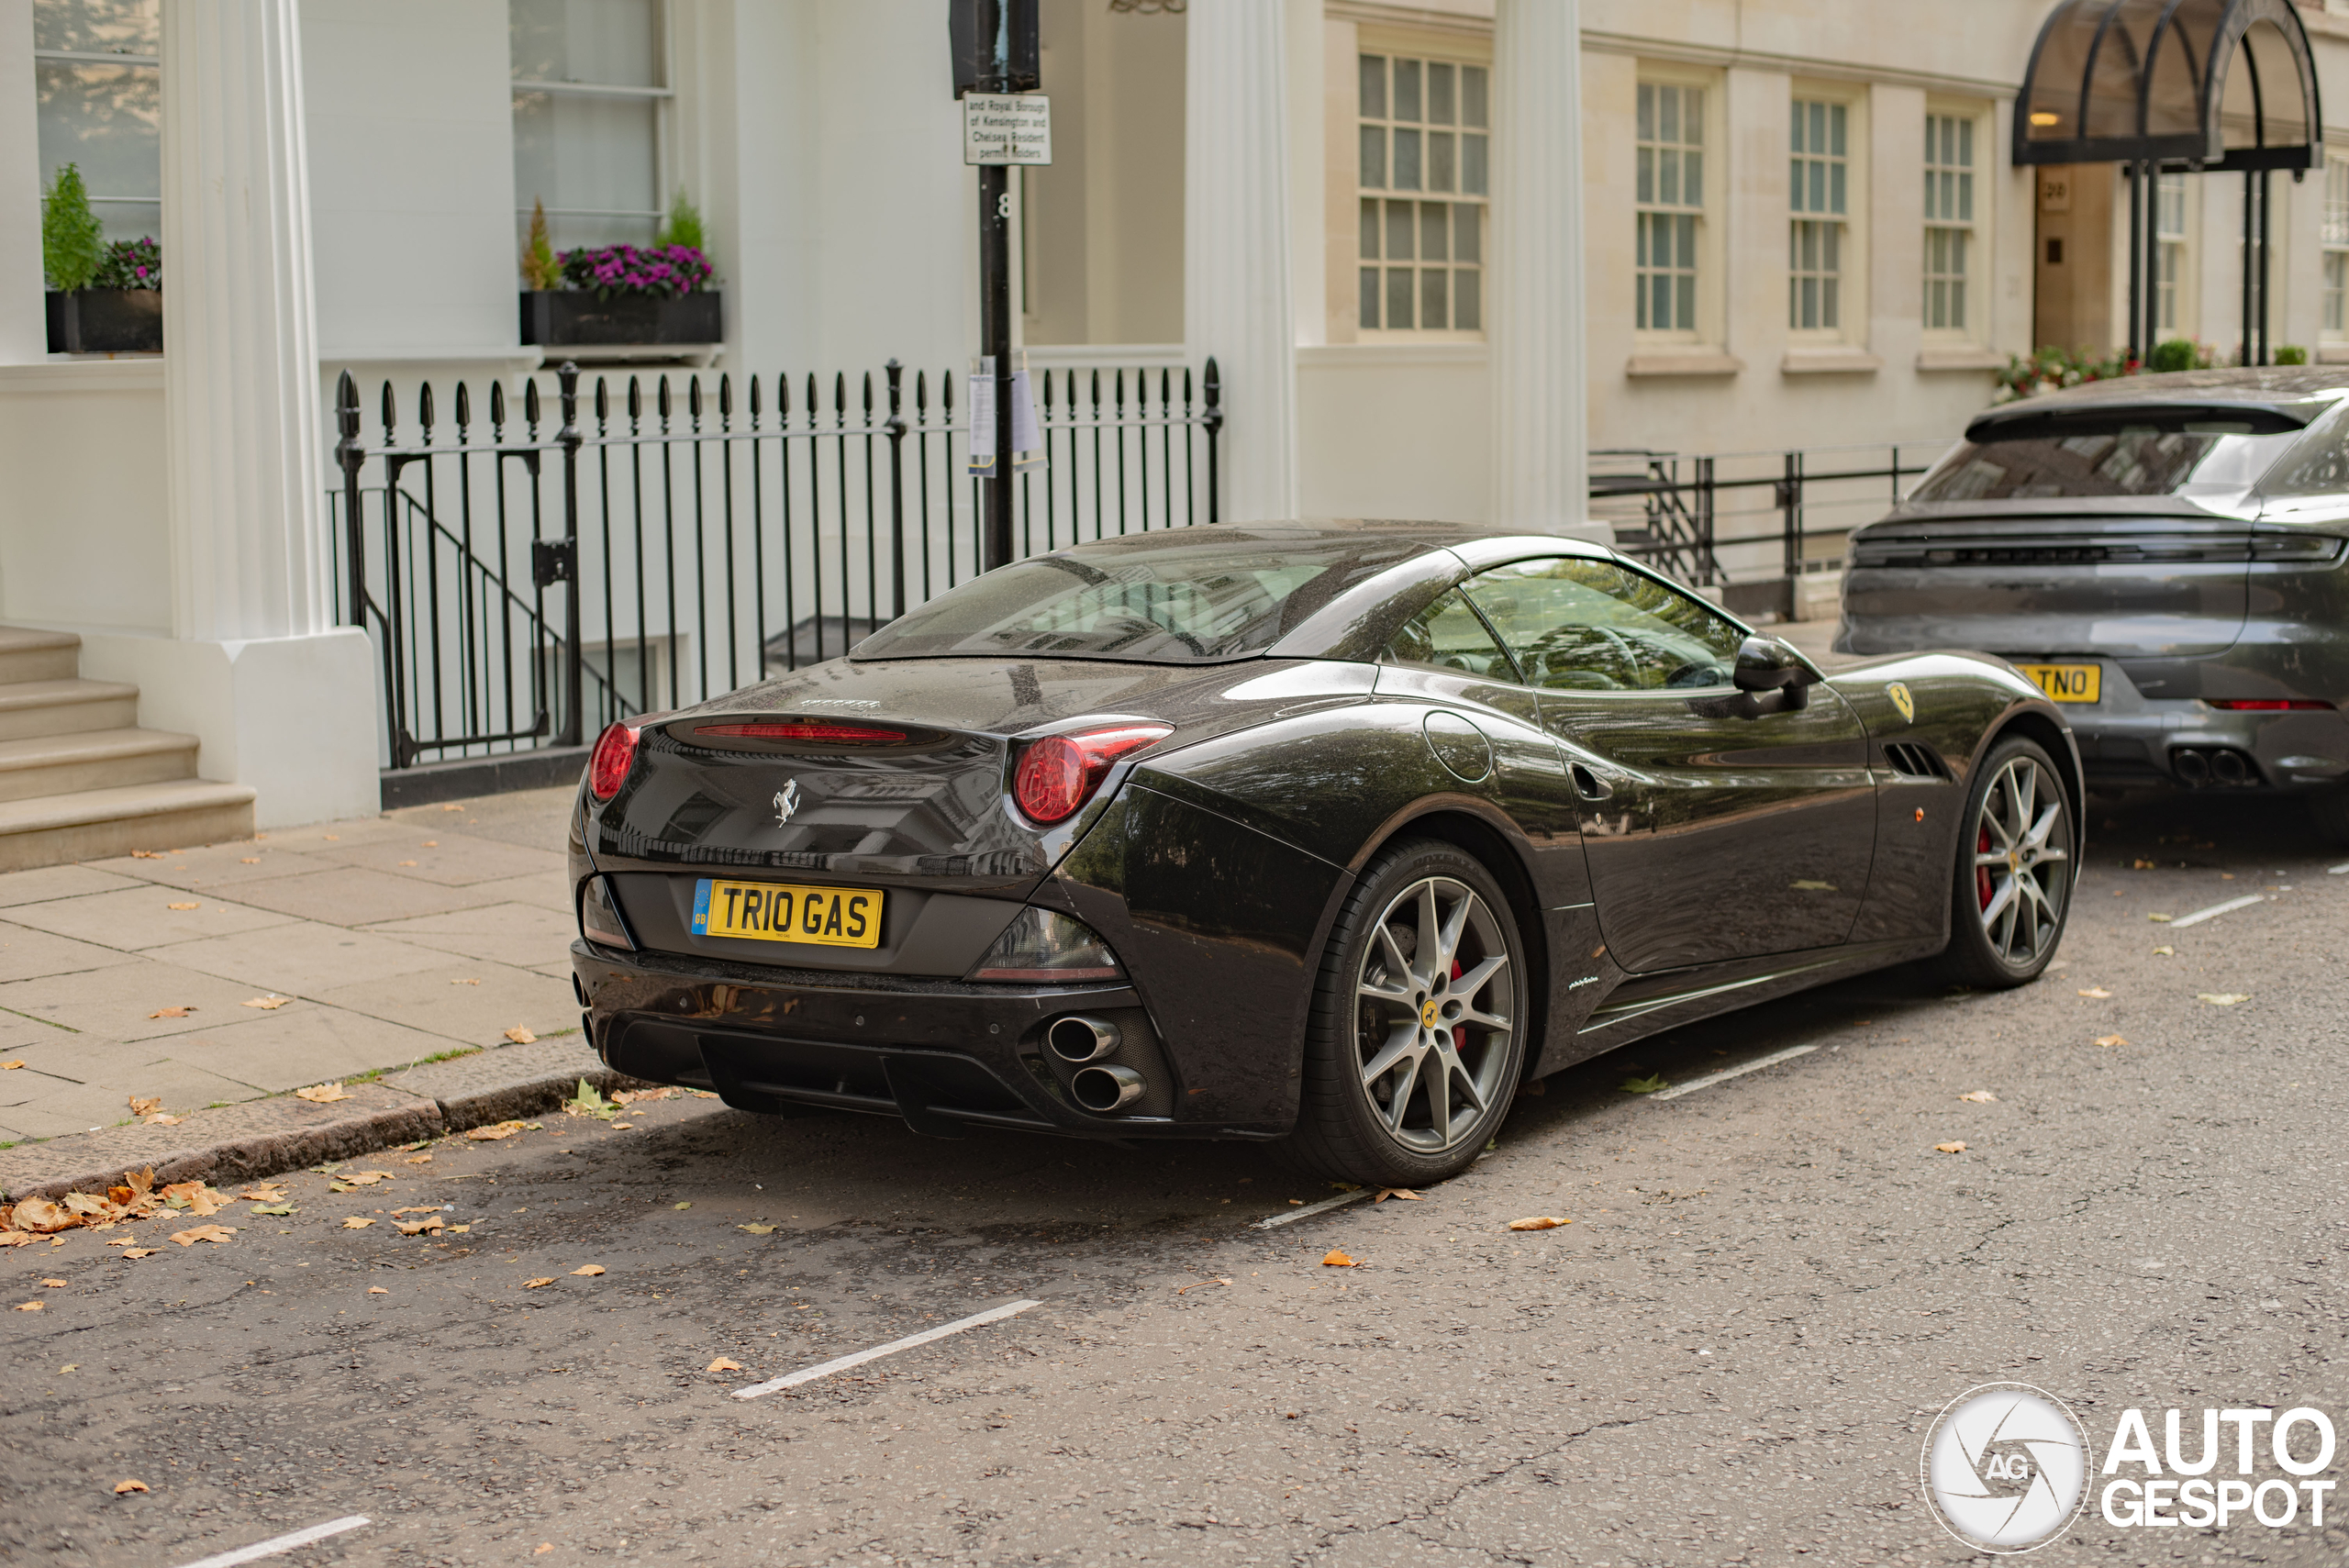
608, 767
841, 734
1059, 773
2267, 705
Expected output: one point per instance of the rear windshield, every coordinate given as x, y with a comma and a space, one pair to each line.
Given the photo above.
1164, 603
2167, 457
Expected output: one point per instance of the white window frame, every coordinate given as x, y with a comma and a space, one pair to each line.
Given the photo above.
142, 212
1461, 56
664, 98
2332, 235
1702, 215
2174, 315
1956, 204
1850, 224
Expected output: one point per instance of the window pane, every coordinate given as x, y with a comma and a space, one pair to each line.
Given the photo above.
1399, 232
107, 120
1835, 187
1692, 178
1368, 285
590, 161
1965, 143
1407, 89
1374, 86
1693, 114
1398, 297
1373, 157
1965, 198
1407, 160
1467, 308
1440, 156
1468, 232
1472, 164
1686, 299
1472, 95
1831, 308
1433, 317
611, 42
1667, 113
1370, 231
1449, 636
1435, 231
1440, 105
1647, 114
1646, 183
1578, 624
99, 26
1685, 229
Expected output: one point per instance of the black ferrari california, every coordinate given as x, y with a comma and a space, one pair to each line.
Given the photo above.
1333, 833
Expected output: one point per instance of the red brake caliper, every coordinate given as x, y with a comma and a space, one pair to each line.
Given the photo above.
1982, 874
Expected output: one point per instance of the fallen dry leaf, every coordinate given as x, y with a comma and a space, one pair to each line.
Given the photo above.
632, 1097
417, 1208
2164, 952
357, 1222
171, 1012
623, 1127
2109, 1040
2161, 919
377, 1290
1385, 1193
54, 1283
250, 861
40, 1215
418, 1160
538, 1284
276, 1210
2222, 998
521, 1035
184, 905
452, 808
146, 854
30, 1306
1980, 1097
321, 1094
2099, 992
1539, 1222
429, 1223
345, 1180
331, 837
757, 1230
11, 1066
137, 1252
545, 1546
1950, 1148
1334, 1259
141, 1105
407, 862
270, 1002
491, 1134
160, 1119
464, 983
589, 1269
722, 1364
264, 1192
217, 1233
122, 1487
431, 843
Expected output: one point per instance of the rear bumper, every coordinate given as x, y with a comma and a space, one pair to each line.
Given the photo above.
944, 1055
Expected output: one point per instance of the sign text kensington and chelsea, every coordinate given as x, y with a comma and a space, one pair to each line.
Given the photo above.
1006, 128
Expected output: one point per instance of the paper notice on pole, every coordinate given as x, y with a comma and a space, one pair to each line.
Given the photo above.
1027, 439
1006, 128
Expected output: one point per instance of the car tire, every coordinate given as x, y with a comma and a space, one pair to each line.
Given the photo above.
1459, 1013
2017, 859
2329, 812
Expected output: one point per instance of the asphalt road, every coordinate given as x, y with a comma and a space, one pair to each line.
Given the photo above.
1769, 1287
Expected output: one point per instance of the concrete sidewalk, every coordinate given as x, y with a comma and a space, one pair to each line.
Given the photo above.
402, 938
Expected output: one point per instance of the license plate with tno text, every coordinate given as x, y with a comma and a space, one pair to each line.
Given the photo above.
783, 912
2068, 682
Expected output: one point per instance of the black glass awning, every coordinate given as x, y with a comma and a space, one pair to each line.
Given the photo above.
2219, 84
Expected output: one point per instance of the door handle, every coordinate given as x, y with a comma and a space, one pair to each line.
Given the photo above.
1589, 784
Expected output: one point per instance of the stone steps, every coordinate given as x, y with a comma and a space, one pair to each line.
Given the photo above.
80, 781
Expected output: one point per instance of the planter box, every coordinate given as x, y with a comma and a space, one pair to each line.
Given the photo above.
564, 318
106, 321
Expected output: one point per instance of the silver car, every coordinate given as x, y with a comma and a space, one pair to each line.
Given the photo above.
2163, 555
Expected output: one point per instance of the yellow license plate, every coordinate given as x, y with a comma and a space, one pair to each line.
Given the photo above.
783, 912
2068, 682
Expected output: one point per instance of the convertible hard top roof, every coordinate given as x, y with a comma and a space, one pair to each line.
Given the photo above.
1477, 540
2274, 398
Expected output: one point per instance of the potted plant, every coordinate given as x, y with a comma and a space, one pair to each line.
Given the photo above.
104, 297
622, 295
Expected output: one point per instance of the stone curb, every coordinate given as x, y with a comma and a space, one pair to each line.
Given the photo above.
263, 1138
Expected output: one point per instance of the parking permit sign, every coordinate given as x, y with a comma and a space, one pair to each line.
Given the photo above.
1006, 128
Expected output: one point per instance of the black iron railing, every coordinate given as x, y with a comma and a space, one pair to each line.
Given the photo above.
1751, 524
530, 576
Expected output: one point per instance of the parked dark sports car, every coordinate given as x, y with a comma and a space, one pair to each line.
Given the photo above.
1333, 833
2166, 555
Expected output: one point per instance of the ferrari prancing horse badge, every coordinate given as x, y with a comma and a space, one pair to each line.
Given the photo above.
1903, 701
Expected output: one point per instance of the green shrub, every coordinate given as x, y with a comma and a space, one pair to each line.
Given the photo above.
541, 268
2290, 354
72, 245
684, 226
2172, 354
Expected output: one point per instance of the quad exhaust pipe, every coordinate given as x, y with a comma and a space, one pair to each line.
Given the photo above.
1079, 1039
2199, 767
1106, 1091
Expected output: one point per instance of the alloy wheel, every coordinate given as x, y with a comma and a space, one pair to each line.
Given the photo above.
1435, 1002
2023, 861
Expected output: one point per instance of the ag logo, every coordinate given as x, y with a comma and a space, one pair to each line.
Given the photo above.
787, 801
2005, 1467
1903, 701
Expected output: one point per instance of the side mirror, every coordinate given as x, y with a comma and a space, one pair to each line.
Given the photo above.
1767, 664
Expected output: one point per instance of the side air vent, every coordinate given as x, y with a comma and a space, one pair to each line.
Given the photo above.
1916, 762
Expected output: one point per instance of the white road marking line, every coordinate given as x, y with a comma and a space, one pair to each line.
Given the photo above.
1709, 1079
276, 1544
2245, 902
841, 1364
1275, 1221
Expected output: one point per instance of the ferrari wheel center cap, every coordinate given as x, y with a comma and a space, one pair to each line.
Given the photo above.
1431, 1013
